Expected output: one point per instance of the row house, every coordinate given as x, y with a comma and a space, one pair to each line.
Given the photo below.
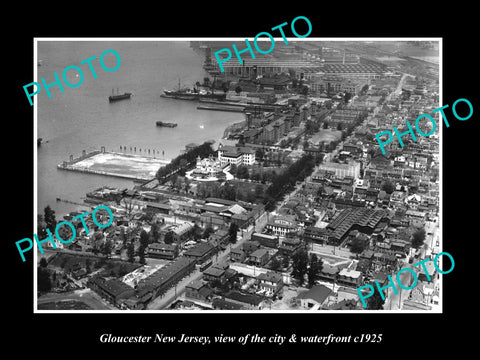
237, 255
271, 282
290, 246
329, 273
259, 257
384, 259
214, 273
315, 234
349, 277
162, 251
247, 301
416, 218
198, 290
267, 240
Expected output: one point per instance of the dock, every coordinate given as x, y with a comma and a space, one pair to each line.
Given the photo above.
221, 108
128, 166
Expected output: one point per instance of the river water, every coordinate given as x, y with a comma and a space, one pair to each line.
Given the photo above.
81, 118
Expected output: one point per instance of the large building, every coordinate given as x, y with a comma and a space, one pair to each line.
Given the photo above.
237, 155
162, 251
112, 290
331, 84
345, 116
357, 71
361, 219
161, 280
339, 170
263, 65
200, 252
281, 225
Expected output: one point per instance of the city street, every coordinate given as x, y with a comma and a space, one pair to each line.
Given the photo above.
166, 299
86, 296
395, 302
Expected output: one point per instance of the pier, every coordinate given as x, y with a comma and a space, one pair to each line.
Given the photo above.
221, 108
117, 164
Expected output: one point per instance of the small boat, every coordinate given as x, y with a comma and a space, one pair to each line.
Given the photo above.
117, 97
161, 123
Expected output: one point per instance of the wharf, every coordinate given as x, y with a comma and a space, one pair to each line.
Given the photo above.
246, 105
221, 108
128, 166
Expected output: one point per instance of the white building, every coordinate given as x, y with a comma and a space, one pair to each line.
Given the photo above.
238, 155
340, 170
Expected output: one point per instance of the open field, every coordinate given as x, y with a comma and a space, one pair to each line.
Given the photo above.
326, 135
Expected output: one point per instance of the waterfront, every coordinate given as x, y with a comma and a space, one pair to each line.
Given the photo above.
82, 118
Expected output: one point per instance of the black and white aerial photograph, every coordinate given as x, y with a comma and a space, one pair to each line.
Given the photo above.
173, 177
221, 179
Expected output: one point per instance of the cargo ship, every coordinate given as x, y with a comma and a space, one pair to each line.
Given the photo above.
117, 97
161, 123
192, 94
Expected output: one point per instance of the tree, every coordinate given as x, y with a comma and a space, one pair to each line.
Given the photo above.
232, 233
208, 231
88, 264
388, 186
285, 262
154, 233
43, 263
186, 185
357, 246
300, 265
238, 89
242, 172
197, 232
141, 254
41, 233
304, 90
131, 252
64, 262
49, 216
225, 86
314, 268
259, 192
127, 204
259, 154
275, 264
107, 248
325, 125
43, 279
375, 302
144, 239
169, 238
418, 238
347, 97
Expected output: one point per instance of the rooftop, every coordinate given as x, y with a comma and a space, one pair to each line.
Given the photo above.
159, 277
318, 293
199, 250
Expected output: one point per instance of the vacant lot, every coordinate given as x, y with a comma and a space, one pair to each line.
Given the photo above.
326, 135
110, 267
